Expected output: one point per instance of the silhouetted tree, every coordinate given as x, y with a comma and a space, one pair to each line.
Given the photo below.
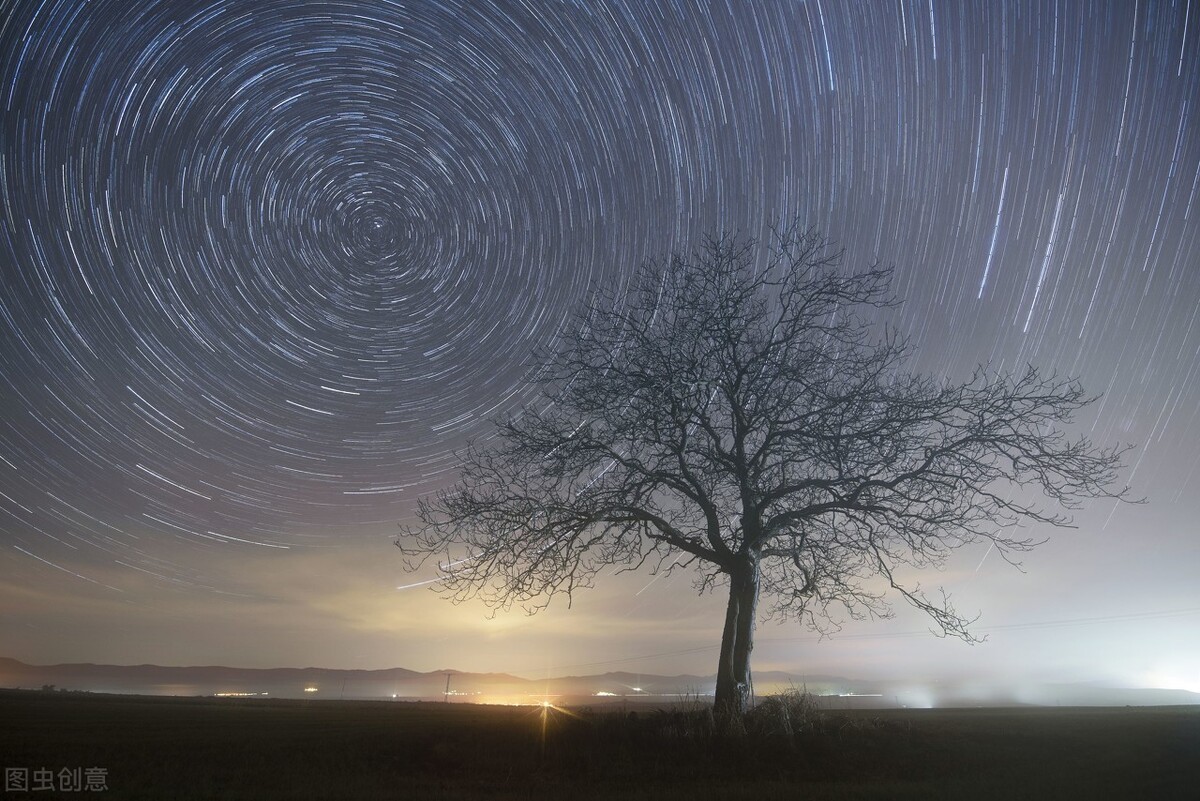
731, 412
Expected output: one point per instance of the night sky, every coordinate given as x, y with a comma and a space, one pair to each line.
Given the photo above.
266, 264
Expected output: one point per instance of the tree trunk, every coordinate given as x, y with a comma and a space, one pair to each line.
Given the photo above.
737, 641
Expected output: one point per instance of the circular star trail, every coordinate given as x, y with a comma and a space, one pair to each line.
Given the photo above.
266, 264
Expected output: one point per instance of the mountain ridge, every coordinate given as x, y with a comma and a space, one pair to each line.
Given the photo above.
614, 686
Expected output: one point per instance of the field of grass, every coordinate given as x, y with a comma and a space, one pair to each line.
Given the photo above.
205, 748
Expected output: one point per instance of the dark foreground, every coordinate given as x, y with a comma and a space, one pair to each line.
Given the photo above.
201, 748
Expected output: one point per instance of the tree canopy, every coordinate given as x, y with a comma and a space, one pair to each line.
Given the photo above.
735, 411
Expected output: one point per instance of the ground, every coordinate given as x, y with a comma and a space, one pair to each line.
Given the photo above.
209, 748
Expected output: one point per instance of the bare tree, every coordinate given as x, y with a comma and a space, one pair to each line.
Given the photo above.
731, 412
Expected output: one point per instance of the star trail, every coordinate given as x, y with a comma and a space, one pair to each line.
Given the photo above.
267, 264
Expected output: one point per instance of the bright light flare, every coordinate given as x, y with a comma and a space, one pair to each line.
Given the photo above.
1172, 677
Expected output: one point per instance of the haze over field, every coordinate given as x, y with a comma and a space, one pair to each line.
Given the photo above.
267, 264
599, 690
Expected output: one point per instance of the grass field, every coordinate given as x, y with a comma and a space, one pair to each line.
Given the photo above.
204, 748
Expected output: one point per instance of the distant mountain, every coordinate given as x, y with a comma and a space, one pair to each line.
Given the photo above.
214, 679
395, 682
310, 682
616, 687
